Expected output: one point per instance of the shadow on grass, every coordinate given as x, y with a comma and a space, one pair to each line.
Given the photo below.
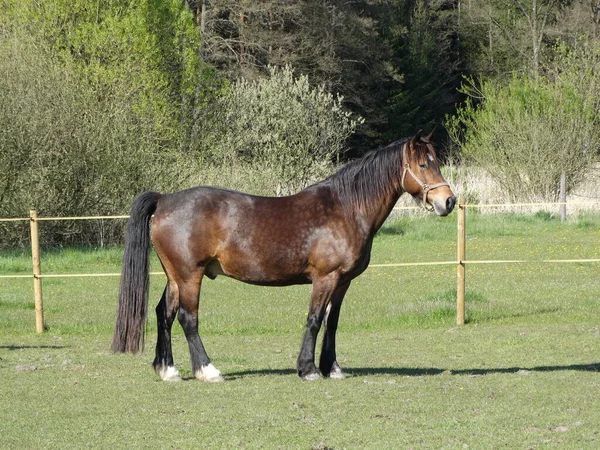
425, 371
31, 347
258, 372
417, 372
475, 317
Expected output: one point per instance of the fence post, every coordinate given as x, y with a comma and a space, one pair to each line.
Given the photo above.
563, 196
460, 267
37, 272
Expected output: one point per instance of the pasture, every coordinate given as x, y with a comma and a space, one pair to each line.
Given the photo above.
524, 372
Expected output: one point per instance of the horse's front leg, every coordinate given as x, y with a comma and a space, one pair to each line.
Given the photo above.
328, 362
323, 289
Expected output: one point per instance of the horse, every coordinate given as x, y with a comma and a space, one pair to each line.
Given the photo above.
321, 235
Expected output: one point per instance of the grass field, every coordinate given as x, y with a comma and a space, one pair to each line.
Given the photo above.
523, 373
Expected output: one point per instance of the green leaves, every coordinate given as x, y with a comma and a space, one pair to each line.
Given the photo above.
92, 105
280, 125
526, 132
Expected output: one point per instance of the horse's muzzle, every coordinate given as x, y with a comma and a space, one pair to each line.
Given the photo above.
443, 207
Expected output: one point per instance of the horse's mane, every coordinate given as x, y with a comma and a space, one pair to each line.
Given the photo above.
361, 183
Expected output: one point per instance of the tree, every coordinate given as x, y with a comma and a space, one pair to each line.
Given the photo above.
579, 19
280, 126
537, 14
509, 35
336, 43
93, 104
148, 45
427, 51
529, 131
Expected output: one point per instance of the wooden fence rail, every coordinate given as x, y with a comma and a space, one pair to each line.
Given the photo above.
461, 262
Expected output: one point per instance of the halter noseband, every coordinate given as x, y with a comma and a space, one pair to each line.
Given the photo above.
426, 187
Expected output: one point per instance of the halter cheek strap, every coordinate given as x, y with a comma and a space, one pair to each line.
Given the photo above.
426, 187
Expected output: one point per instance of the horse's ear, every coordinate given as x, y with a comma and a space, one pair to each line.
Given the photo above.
416, 138
429, 137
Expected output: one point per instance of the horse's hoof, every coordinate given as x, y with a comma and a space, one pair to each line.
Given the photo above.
209, 374
337, 374
169, 373
311, 376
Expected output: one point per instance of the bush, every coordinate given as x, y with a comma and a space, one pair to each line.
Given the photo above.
527, 132
281, 129
67, 151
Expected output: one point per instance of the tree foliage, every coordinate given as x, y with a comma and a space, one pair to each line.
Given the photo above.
427, 51
337, 44
89, 109
100, 100
279, 125
150, 46
530, 130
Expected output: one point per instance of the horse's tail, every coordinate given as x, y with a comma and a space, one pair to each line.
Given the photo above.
133, 293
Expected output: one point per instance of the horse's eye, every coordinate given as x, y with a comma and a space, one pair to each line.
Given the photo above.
423, 166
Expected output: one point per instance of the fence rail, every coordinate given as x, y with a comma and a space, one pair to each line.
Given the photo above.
460, 261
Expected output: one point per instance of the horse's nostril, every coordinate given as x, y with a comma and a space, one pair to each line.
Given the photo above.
450, 202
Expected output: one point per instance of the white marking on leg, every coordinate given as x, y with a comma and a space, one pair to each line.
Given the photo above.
209, 373
337, 374
311, 377
327, 311
169, 373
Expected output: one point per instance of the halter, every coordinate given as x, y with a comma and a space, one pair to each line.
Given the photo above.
426, 187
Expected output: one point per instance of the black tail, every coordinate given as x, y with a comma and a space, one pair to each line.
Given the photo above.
133, 294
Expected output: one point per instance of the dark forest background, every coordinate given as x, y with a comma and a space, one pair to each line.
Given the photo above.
101, 99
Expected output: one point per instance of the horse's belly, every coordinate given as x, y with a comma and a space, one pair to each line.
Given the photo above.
256, 273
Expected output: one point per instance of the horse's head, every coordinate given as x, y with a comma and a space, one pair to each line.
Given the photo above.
421, 176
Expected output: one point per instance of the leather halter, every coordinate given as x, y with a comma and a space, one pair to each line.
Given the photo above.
426, 187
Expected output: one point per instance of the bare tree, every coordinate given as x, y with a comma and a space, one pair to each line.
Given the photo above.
509, 15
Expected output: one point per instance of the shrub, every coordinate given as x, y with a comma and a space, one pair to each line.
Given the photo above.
280, 126
65, 151
526, 132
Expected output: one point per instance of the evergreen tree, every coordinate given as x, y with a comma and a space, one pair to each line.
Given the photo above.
427, 52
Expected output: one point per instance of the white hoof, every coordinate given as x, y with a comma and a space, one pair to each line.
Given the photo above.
337, 374
169, 373
209, 374
311, 377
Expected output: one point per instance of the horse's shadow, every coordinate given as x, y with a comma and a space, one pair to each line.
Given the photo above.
30, 347
426, 371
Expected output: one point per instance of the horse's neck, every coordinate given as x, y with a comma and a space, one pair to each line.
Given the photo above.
379, 210
370, 216
377, 216
369, 206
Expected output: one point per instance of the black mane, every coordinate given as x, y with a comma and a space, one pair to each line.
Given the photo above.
362, 182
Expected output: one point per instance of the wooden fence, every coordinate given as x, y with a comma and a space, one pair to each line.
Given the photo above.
460, 262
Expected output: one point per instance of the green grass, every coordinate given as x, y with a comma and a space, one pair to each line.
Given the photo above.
523, 372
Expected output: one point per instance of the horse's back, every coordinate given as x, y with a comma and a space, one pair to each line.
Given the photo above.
234, 212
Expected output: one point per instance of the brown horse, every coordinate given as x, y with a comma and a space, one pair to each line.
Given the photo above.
321, 235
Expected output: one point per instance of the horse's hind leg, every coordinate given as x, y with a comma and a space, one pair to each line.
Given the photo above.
188, 318
166, 310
